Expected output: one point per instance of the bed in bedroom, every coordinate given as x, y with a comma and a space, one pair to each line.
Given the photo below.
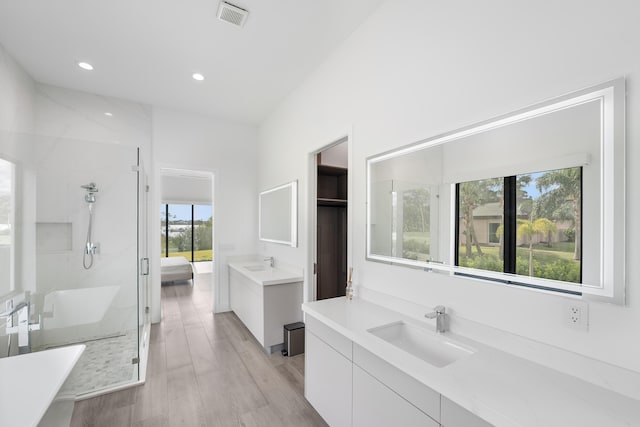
175, 269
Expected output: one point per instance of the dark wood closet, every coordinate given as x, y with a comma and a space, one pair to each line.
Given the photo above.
331, 272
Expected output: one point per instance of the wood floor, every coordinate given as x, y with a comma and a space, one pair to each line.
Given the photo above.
205, 370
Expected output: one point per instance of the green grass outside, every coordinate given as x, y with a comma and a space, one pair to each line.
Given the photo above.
414, 240
548, 263
422, 237
540, 252
568, 247
203, 255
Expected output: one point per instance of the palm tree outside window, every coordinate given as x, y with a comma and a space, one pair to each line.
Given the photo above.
528, 224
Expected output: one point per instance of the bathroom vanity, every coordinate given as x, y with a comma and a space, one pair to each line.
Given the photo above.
265, 298
30, 388
367, 365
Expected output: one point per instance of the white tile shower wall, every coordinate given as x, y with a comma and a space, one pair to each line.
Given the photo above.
76, 143
404, 77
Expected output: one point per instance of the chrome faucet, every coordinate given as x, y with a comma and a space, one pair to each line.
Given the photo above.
271, 260
24, 327
438, 313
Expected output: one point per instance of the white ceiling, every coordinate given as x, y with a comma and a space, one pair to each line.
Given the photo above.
147, 50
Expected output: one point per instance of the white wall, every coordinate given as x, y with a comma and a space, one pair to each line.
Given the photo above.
417, 69
16, 103
228, 151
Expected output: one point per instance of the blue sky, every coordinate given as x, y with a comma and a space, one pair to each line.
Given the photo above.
531, 189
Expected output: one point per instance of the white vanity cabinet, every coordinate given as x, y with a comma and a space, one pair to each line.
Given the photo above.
351, 386
265, 301
454, 415
328, 373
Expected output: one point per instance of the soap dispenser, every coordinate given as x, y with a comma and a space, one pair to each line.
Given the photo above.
349, 290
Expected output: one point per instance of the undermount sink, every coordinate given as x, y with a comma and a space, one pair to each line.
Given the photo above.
257, 267
437, 350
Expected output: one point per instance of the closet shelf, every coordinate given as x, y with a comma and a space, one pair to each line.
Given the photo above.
331, 202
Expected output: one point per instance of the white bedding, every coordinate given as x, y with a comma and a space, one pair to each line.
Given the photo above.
173, 269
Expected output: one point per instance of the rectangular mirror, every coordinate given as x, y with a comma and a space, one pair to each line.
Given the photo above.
278, 214
534, 198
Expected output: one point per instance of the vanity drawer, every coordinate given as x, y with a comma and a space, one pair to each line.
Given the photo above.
339, 342
376, 405
416, 393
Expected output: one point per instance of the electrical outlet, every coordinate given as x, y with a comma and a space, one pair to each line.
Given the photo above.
576, 315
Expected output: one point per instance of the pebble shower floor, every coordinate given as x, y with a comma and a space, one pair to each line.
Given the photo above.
105, 363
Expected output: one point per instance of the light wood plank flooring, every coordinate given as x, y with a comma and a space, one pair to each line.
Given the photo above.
205, 369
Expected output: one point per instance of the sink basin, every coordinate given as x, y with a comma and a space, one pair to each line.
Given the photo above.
437, 350
257, 267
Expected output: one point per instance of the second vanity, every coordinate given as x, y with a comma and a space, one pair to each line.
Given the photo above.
367, 365
265, 298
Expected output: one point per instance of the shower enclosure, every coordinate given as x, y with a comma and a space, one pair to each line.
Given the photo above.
73, 247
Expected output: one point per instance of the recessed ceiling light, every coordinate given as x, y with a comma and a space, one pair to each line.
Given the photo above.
108, 114
197, 76
85, 66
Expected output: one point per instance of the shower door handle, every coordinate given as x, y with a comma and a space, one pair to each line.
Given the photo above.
144, 266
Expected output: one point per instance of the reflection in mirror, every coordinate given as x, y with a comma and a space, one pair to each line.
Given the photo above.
503, 222
7, 246
534, 198
278, 214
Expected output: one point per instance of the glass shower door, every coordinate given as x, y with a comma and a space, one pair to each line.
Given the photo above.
144, 316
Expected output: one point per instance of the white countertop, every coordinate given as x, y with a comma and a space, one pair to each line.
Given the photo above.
503, 389
30, 382
267, 276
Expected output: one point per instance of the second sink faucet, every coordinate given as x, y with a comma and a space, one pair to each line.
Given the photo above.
438, 313
271, 260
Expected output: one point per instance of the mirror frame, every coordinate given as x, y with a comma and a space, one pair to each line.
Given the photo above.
291, 188
611, 286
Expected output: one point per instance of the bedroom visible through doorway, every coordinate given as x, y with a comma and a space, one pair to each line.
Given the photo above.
186, 218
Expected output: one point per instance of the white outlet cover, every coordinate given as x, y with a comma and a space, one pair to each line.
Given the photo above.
576, 315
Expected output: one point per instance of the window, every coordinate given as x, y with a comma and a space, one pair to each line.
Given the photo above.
534, 218
7, 212
493, 233
186, 230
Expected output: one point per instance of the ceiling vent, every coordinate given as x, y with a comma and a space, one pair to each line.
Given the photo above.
232, 14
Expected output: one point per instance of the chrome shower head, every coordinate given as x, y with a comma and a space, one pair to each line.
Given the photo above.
91, 188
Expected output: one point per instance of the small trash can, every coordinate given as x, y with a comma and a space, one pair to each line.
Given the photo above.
293, 339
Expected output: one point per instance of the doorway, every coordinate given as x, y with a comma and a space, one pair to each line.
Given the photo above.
331, 231
186, 217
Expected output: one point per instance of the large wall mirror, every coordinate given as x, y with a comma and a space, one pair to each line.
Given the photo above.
534, 198
278, 214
